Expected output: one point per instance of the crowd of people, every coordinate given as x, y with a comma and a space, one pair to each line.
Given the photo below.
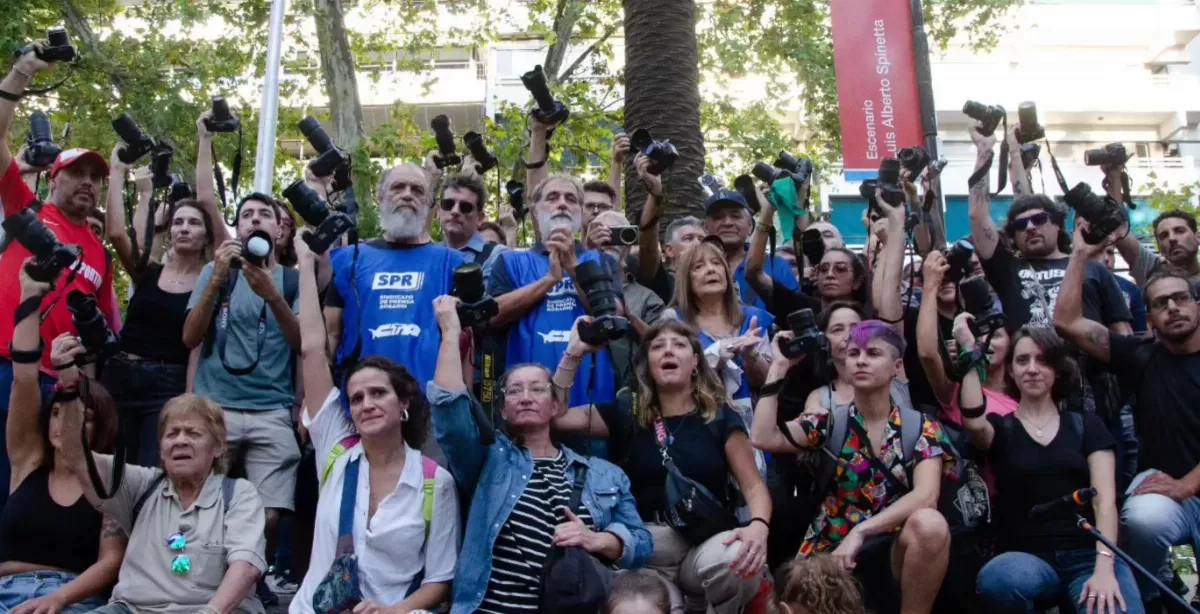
684, 422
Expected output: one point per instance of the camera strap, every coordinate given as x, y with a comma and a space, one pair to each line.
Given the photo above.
39, 91
1002, 180
118, 457
222, 327
1058, 175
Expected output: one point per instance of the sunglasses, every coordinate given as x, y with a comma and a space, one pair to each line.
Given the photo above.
181, 564
1036, 220
447, 204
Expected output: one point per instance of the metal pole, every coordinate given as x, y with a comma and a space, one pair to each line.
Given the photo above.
268, 117
925, 93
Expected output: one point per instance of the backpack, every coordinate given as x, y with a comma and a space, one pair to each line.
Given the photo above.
429, 469
227, 486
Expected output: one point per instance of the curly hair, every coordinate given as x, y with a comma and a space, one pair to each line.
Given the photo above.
640, 585
708, 392
819, 585
416, 429
1055, 353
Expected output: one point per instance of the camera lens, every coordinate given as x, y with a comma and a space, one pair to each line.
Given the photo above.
535, 82
306, 202
1085, 202
598, 287
763, 172
628, 235
57, 37
311, 129
889, 171
802, 322
788, 162
468, 283
976, 295
220, 109
640, 140
39, 127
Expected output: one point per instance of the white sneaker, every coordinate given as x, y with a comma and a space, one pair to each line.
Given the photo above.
281, 585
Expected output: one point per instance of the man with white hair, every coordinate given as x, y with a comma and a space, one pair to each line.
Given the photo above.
538, 298
381, 298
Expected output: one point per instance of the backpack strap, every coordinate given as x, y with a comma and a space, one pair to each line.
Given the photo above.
911, 422
339, 448
345, 540
228, 484
835, 437
142, 498
429, 469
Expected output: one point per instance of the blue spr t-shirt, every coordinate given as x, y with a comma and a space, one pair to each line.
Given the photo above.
776, 268
1133, 298
389, 303
541, 335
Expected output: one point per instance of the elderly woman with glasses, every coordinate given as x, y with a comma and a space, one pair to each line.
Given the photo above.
522, 483
195, 536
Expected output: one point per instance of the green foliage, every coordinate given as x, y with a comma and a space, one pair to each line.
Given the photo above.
1162, 196
1183, 560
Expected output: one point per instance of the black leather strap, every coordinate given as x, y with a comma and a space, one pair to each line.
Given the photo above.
27, 357
11, 96
27, 308
771, 389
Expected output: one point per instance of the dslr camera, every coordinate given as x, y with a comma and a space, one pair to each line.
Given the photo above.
603, 299
97, 339
662, 154
330, 160
988, 115
58, 47
475, 306
256, 248
328, 226
1028, 128
160, 165
786, 165
137, 142
516, 198
1103, 214
479, 151
547, 110
1113, 154
40, 148
812, 245
49, 256
958, 256
977, 300
914, 159
806, 337
1030, 152
222, 119
179, 189
888, 182
447, 152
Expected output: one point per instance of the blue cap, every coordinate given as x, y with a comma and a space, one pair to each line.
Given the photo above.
722, 197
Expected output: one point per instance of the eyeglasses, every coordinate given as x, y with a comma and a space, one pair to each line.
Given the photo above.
1162, 302
467, 208
837, 267
1036, 220
181, 564
538, 391
595, 208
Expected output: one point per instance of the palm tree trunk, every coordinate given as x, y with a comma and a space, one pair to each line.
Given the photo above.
662, 95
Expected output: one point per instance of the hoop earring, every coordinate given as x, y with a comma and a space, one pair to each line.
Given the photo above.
404, 416
695, 372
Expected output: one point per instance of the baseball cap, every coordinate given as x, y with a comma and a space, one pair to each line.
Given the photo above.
724, 196
74, 156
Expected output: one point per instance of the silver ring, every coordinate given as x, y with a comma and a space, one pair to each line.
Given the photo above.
1093, 596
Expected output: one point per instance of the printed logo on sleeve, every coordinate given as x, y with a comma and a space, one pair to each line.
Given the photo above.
556, 336
405, 282
395, 330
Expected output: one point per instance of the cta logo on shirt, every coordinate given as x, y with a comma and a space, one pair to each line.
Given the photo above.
395, 330
404, 282
556, 336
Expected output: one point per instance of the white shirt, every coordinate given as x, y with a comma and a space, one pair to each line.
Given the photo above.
393, 550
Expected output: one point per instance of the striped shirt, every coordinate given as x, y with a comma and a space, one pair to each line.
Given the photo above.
524, 541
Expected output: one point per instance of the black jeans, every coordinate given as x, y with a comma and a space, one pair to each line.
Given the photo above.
141, 387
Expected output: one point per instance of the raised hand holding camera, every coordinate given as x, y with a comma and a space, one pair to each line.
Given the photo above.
31, 287
223, 259
40, 150
548, 111
652, 181
65, 351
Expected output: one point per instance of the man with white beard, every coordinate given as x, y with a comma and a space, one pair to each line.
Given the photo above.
538, 298
381, 299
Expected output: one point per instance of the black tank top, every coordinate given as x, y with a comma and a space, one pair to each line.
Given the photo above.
35, 529
154, 321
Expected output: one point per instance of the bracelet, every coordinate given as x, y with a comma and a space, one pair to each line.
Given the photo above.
570, 359
22, 73
770, 389
1105, 553
762, 520
65, 394
535, 165
973, 412
26, 357
64, 366
11, 96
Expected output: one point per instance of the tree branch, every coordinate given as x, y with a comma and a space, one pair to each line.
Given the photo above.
566, 74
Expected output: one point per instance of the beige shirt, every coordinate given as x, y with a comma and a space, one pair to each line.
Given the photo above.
216, 538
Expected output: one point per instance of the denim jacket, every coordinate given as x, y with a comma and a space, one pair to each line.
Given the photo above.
497, 475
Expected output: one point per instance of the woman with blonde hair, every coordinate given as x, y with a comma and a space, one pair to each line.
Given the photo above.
815, 585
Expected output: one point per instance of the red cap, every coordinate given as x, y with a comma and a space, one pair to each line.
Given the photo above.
74, 156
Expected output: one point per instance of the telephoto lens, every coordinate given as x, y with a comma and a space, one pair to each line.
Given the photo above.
958, 256
889, 171
766, 173
475, 305
40, 149
306, 203
1028, 129
479, 151
548, 110
49, 256
1112, 154
447, 152
603, 301
316, 135
221, 120
137, 142
977, 299
94, 335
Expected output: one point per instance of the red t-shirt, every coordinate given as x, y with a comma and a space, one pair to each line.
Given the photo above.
93, 275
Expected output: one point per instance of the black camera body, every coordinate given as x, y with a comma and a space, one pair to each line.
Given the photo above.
40, 149
625, 235
977, 300
475, 306
1028, 127
662, 154
447, 152
327, 226
800, 168
137, 142
479, 151
49, 256
1103, 215
516, 198
812, 245
222, 119
179, 189
744, 185
603, 300
958, 256
1030, 152
888, 182
58, 47
160, 165
806, 337
1113, 154
256, 249
95, 336
548, 110
330, 160
988, 115
914, 159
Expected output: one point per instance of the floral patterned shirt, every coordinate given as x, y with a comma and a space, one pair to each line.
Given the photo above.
859, 489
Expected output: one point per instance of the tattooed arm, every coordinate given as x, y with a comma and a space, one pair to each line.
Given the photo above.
983, 229
1092, 337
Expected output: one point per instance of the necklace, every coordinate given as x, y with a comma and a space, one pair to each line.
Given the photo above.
1038, 428
671, 432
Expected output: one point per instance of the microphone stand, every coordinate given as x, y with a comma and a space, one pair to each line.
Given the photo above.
1082, 523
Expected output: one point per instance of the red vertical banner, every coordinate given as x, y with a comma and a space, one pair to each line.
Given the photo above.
878, 107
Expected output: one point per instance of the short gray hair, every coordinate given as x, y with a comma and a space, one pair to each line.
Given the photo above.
383, 180
574, 181
674, 227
